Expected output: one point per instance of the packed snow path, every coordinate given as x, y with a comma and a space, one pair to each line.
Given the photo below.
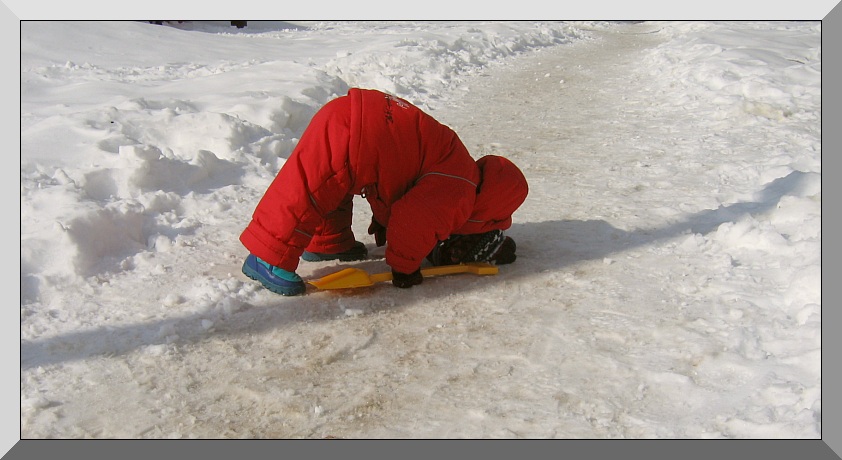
595, 332
604, 229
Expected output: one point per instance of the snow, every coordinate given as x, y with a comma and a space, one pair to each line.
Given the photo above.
668, 283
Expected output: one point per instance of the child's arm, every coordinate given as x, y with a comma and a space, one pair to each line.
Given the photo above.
428, 213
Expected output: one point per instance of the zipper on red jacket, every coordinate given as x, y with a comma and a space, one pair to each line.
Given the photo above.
446, 175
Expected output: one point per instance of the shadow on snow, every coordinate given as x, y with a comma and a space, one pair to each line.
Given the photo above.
573, 241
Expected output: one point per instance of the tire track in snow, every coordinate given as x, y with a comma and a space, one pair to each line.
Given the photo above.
550, 112
561, 114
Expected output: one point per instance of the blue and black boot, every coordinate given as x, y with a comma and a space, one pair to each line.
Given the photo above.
358, 252
492, 247
273, 278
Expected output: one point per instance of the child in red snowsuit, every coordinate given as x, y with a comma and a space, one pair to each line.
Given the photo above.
428, 197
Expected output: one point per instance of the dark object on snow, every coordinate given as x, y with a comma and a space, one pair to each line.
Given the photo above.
492, 246
407, 280
239, 24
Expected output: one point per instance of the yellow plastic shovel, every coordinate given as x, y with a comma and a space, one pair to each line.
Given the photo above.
356, 277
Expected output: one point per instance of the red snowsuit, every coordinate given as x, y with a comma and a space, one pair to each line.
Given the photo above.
417, 176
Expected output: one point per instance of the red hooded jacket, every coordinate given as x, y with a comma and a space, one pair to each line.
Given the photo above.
417, 176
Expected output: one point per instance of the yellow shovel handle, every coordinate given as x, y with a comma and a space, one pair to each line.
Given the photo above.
478, 268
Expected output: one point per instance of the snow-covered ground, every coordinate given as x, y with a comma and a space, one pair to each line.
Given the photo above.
668, 283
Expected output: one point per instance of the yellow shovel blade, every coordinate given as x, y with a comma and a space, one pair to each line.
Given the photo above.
355, 277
